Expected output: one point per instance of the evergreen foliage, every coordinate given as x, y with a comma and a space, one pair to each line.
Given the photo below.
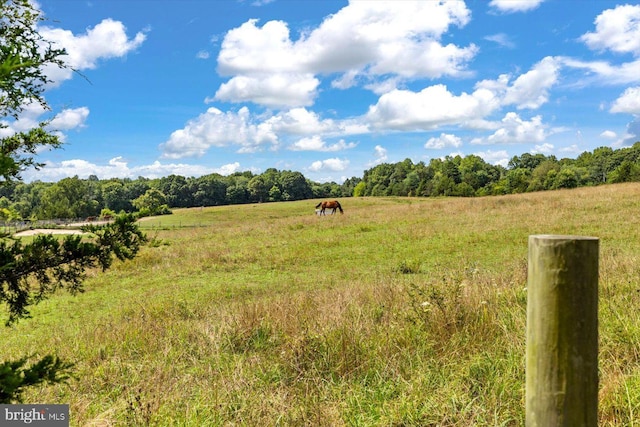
15, 376
30, 272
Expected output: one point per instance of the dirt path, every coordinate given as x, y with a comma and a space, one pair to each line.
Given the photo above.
35, 231
46, 231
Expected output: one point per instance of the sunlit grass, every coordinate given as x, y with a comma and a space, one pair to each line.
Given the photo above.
399, 312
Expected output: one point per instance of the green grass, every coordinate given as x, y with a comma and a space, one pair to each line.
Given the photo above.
399, 312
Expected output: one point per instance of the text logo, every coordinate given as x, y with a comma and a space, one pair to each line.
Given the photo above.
34, 415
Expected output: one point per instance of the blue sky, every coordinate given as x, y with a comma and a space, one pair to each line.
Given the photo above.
332, 88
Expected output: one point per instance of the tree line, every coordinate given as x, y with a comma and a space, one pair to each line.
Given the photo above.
471, 176
450, 176
81, 198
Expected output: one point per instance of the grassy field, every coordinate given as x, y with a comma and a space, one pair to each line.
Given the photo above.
401, 312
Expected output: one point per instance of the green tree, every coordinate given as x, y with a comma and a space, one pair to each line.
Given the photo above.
295, 185
23, 56
442, 185
238, 189
275, 194
258, 190
599, 163
27, 197
359, 189
411, 183
177, 190
543, 175
628, 171
567, 177
464, 190
348, 186
153, 202
114, 196
526, 161
211, 190
425, 174
135, 188
271, 177
377, 179
477, 173
30, 272
237, 194
7, 210
69, 198
517, 180
398, 180
16, 151
321, 191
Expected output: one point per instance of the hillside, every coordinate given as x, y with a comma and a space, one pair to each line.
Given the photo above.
402, 311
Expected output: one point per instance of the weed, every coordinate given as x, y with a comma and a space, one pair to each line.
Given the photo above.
408, 267
438, 304
140, 409
155, 242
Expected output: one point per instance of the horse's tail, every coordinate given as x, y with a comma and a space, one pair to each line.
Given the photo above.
339, 207
318, 205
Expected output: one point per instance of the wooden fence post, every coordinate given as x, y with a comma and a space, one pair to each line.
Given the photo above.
562, 331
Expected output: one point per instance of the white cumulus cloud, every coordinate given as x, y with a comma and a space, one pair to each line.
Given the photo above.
512, 129
217, 129
364, 39
118, 167
628, 102
544, 148
70, 118
316, 143
429, 108
531, 89
250, 132
300, 121
334, 164
32, 116
500, 157
606, 73
444, 140
512, 6
380, 156
106, 40
516, 130
272, 90
617, 30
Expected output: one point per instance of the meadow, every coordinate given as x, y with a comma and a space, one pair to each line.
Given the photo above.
401, 312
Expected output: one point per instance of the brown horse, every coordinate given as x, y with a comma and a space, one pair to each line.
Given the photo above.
333, 204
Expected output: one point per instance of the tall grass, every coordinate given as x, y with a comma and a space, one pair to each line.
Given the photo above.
399, 312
